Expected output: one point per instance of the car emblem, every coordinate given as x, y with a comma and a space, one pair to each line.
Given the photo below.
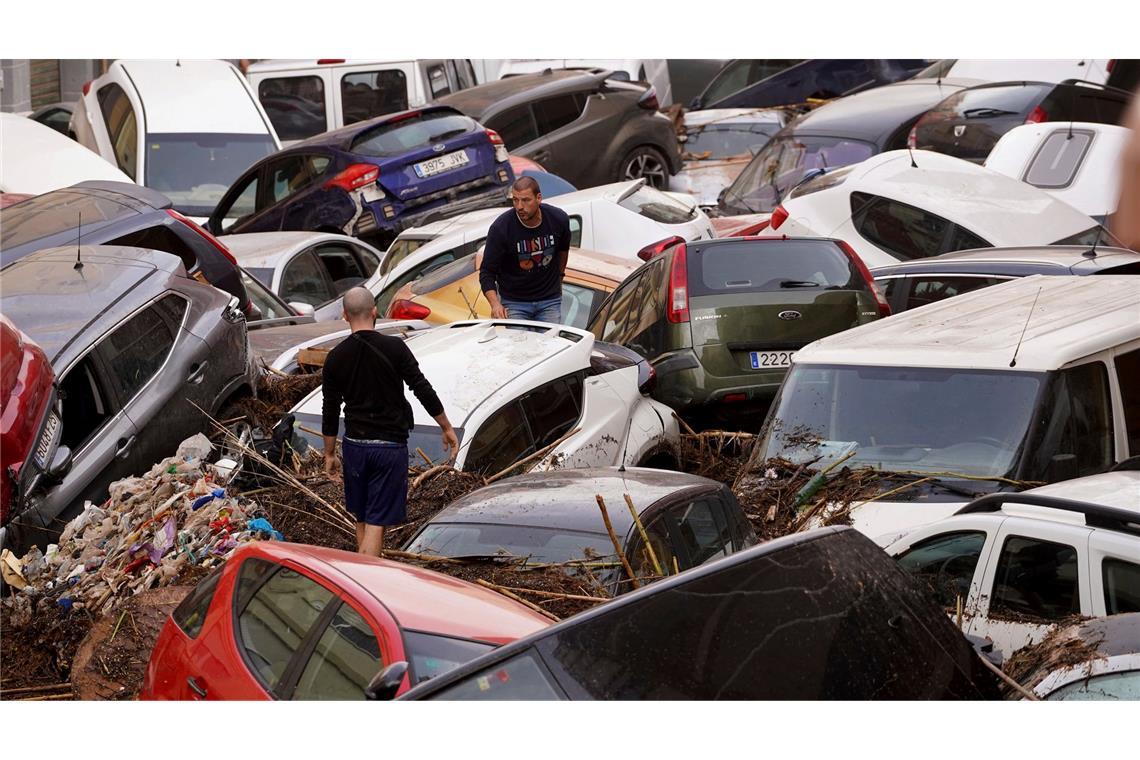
789, 315
439, 147
959, 130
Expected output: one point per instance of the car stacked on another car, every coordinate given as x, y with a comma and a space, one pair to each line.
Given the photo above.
584, 126
35, 159
371, 179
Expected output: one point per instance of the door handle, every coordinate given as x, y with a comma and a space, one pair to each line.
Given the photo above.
124, 445
195, 687
197, 372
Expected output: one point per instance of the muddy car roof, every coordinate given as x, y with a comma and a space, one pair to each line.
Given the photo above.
566, 499
55, 303
998, 260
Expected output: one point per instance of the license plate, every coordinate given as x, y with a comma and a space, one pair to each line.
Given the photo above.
770, 359
372, 193
44, 446
441, 163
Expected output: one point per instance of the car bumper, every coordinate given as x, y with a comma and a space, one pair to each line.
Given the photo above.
391, 216
683, 384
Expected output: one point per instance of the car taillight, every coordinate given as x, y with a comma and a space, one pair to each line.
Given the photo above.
500, 147
404, 309
205, 234
648, 100
327, 61
87, 86
1110, 65
404, 116
656, 249
779, 216
884, 307
1037, 115
355, 176
678, 310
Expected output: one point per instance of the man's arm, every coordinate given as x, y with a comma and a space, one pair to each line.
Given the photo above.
489, 273
332, 397
564, 242
411, 374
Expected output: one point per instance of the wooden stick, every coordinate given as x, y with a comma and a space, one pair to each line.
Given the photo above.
644, 535
30, 689
517, 598
556, 595
617, 544
536, 455
45, 697
684, 424
1016, 686
310, 430
426, 474
426, 458
117, 627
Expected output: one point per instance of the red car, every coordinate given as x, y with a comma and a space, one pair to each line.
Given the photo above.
292, 621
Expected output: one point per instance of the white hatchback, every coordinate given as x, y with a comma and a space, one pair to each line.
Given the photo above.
36, 159
513, 389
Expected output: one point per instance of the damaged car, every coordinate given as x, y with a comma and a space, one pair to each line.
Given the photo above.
515, 389
1097, 659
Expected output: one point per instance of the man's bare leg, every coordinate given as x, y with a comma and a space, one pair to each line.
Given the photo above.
373, 540
359, 536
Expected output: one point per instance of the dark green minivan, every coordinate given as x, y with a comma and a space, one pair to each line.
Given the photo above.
719, 320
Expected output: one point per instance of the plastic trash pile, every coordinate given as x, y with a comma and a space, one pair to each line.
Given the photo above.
150, 529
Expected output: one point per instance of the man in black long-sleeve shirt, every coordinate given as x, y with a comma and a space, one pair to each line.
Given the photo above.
366, 373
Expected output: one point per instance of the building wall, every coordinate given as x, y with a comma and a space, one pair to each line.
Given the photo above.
28, 84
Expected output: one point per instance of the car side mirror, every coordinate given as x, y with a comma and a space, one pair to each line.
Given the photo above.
302, 309
387, 682
60, 465
1062, 467
695, 103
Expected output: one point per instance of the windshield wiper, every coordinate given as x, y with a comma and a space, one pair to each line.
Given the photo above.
447, 134
932, 480
985, 113
799, 284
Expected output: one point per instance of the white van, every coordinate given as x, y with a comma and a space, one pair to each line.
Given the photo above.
307, 97
1032, 381
186, 128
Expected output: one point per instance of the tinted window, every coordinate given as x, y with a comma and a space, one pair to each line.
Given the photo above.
1128, 379
122, 127
926, 290
190, 615
437, 81
465, 73
137, 349
194, 170
656, 205
295, 105
347, 657
515, 125
433, 655
393, 139
963, 240
702, 530
501, 441
303, 280
1036, 578
906, 231
575, 232
160, 238
1121, 586
659, 558
946, 563
786, 265
1057, 160
86, 403
732, 78
839, 76
293, 173
623, 312
341, 266
553, 408
364, 94
554, 113
987, 102
519, 678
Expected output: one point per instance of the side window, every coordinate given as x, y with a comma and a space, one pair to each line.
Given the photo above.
86, 403
303, 280
438, 83
278, 617
341, 266
553, 408
1128, 379
137, 349
555, 113
519, 678
963, 240
345, 660
946, 563
295, 105
841, 75
578, 303
364, 94
503, 439
1036, 578
1090, 434
575, 231
702, 530
465, 73
515, 126
728, 81
1121, 586
294, 173
930, 289
623, 311
384, 300
190, 615
642, 561
122, 127
368, 260
646, 331
905, 231
244, 204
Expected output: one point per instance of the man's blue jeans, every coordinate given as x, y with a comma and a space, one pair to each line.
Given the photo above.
549, 310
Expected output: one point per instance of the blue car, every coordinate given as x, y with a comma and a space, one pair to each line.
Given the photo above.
372, 179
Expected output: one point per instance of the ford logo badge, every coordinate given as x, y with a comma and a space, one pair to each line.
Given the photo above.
789, 315
439, 147
959, 130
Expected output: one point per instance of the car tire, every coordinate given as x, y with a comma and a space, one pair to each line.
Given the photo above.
648, 162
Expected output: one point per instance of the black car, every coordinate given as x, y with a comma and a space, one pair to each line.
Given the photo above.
764, 83
118, 213
968, 123
824, 614
839, 133
581, 125
922, 281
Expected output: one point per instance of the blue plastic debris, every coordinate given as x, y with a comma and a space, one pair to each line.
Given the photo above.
261, 525
217, 493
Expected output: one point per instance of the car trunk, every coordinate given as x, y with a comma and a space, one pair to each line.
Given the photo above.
968, 124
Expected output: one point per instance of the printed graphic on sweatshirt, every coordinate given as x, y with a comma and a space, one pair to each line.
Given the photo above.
536, 252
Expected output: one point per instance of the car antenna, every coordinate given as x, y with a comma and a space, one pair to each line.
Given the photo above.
625, 448
1013, 361
79, 245
1091, 253
913, 165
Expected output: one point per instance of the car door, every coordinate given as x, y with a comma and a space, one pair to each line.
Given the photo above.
519, 131
291, 196
304, 280
570, 138
503, 439
237, 210
121, 130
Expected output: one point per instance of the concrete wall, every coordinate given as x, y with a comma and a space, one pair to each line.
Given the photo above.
15, 84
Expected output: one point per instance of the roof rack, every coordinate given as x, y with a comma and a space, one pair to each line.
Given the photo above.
1096, 515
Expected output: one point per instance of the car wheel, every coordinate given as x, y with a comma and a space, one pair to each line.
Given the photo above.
648, 162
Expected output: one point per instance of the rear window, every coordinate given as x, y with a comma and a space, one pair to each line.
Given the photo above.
295, 105
821, 182
432, 655
394, 138
724, 140
537, 544
783, 265
445, 275
1058, 159
983, 102
656, 205
55, 212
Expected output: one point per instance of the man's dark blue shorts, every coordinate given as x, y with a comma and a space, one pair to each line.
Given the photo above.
375, 481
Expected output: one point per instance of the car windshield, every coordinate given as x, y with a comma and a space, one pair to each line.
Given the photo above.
538, 545
399, 251
961, 421
266, 303
195, 170
432, 655
724, 140
403, 135
782, 164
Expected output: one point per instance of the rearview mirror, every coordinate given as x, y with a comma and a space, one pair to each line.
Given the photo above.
60, 464
387, 682
303, 309
1062, 467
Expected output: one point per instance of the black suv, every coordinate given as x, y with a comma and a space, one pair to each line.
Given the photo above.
581, 125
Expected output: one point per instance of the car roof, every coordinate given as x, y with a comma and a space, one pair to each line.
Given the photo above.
294, 64
422, 599
342, 137
266, 249
451, 224
602, 265
493, 97
1072, 317
986, 260
1120, 489
566, 499
188, 95
36, 159
54, 303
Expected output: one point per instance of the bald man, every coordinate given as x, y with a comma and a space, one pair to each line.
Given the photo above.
366, 373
